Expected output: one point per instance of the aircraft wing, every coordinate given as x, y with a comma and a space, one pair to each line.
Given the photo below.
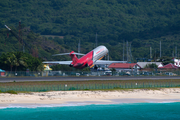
59, 62
103, 62
68, 54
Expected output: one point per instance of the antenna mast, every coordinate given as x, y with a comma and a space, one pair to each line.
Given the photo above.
131, 57
123, 50
79, 48
150, 53
127, 51
176, 51
96, 39
160, 49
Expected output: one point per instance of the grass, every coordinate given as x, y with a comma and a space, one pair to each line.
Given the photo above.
124, 89
15, 92
106, 90
9, 91
107, 85
88, 82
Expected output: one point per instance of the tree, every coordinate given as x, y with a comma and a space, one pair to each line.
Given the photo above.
40, 67
11, 60
34, 64
113, 70
67, 68
166, 60
153, 65
20, 60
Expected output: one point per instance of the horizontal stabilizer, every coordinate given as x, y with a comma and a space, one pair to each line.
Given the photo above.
58, 62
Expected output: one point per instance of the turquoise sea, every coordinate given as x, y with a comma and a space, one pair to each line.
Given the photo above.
132, 111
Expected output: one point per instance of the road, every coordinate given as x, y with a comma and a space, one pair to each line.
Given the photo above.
25, 79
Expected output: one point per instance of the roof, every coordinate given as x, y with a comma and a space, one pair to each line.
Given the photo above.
122, 65
143, 64
2, 70
169, 66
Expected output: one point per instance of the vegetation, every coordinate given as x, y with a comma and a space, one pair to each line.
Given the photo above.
89, 85
123, 82
11, 92
59, 25
153, 65
67, 68
18, 61
166, 60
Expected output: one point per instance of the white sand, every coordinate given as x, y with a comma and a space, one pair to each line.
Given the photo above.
89, 97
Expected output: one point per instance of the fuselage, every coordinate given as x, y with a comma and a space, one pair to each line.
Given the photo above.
90, 58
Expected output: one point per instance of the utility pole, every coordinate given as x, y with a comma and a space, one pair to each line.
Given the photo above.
96, 39
160, 49
131, 57
108, 56
127, 50
79, 48
123, 50
150, 53
173, 54
155, 55
20, 36
17, 37
176, 51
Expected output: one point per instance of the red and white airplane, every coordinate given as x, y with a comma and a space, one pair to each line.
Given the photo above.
88, 60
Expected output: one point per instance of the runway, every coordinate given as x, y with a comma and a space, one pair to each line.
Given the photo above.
25, 79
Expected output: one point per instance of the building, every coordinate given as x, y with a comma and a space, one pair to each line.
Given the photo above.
144, 64
124, 66
2, 72
177, 62
169, 66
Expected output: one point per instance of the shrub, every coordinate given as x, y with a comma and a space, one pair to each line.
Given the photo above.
11, 92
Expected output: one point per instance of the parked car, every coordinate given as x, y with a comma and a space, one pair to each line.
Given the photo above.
170, 74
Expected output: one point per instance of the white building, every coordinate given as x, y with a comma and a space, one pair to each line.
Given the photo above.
143, 64
177, 62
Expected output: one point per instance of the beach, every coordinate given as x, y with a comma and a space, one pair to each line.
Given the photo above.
91, 97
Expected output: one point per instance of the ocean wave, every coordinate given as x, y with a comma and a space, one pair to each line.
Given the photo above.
40, 105
115, 101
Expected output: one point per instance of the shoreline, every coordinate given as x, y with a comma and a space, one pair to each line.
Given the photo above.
85, 103
70, 104
78, 98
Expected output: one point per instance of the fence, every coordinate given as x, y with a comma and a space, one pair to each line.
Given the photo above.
68, 87
90, 73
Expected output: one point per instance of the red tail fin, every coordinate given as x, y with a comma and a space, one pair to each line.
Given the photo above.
73, 57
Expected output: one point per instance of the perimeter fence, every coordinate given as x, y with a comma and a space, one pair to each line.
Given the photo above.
89, 73
69, 87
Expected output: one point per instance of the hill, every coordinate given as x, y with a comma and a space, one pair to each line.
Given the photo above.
31, 42
142, 23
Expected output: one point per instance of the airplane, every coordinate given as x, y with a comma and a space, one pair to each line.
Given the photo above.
88, 60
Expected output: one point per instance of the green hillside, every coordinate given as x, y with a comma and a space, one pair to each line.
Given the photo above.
142, 23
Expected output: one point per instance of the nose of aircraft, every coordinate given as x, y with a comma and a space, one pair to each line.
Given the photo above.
106, 49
